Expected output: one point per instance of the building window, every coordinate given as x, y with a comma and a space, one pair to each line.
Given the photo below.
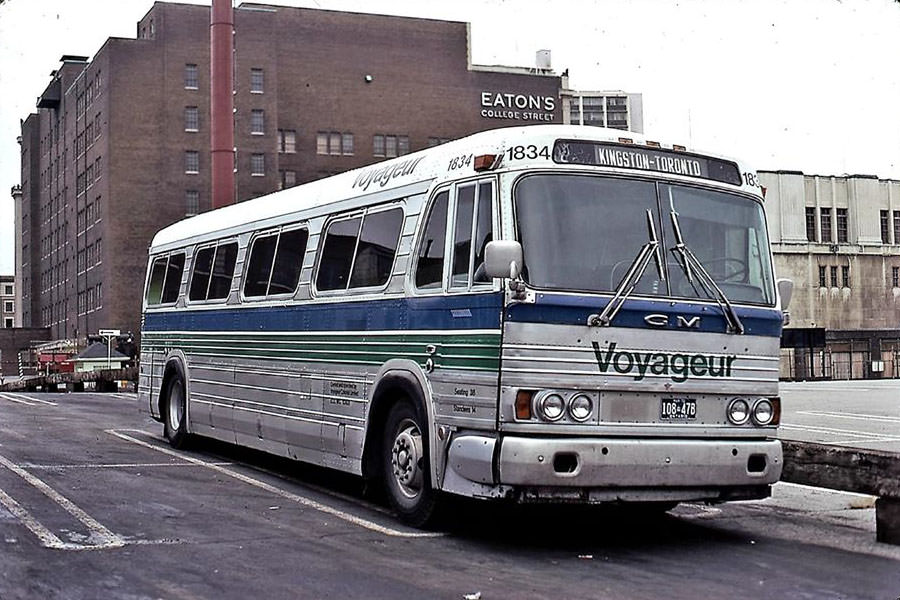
256, 81
842, 226
257, 165
810, 224
885, 227
288, 179
192, 162
334, 143
845, 276
8, 290
822, 280
8, 323
8, 307
192, 203
347, 144
190, 76
257, 121
897, 226
825, 218
287, 141
191, 118
895, 276
834, 279
390, 146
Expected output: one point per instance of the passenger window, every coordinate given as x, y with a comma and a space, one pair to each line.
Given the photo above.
462, 237
275, 263
376, 249
157, 277
288, 262
173, 278
200, 279
260, 266
222, 271
337, 254
430, 262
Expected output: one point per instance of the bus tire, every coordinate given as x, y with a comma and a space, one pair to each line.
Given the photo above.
175, 412
405, 466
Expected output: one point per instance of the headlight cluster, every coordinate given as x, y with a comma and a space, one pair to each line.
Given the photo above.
762, 411
550, 405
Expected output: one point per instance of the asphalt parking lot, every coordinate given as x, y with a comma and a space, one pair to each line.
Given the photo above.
93, 504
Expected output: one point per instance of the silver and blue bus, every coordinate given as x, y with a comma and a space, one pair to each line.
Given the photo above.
540, 314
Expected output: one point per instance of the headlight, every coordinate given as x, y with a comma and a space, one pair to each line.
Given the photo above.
551, 407
738, 411
580, 408
763, 412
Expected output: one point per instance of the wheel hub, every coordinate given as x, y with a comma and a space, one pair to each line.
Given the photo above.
406, 455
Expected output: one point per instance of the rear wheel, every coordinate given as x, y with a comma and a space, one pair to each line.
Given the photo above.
175, 413
406, 468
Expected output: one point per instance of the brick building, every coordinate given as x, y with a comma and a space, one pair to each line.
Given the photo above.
9, 316
119, 146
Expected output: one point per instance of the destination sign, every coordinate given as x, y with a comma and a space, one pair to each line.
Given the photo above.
624, 156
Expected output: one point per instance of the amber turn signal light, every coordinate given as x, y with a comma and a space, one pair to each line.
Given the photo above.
523, 404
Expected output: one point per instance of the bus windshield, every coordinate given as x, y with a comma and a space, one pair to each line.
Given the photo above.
582, 233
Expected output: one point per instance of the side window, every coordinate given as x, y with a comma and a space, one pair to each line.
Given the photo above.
213, 271
173, 278
222, 271
430, 262
359, 252
484, 231
157, 277
200, 278
275, 263
288, 261
472, 229
259, 268
462, 236
376, 249
337, 254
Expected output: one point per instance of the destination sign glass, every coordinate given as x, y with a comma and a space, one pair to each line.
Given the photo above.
624, 156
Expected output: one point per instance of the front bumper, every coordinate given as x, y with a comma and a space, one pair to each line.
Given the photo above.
640, 466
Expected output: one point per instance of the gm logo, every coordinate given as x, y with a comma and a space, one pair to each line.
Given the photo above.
657, 320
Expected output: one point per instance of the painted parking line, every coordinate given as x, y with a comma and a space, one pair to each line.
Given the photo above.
302, 500
38, 400
60, 467
844, 415
12, 398
861, 435
107, 539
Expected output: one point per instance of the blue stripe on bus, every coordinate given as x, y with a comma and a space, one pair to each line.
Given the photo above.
567, 309
467, 311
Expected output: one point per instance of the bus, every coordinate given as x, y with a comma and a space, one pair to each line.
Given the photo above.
547, 313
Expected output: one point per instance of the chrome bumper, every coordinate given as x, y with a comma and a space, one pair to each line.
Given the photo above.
615, 463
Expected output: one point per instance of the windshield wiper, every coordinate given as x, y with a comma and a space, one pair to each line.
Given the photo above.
690, 263
649, 250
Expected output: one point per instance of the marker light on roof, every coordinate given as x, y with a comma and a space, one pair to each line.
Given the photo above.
653, 144
680, 148
626, 141
484, 162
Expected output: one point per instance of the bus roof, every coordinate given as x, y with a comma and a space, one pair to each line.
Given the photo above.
420, 167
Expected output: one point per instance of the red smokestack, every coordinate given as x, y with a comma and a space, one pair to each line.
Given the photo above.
221, 86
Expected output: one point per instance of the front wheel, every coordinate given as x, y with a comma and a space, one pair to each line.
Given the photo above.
405, 466
175, 413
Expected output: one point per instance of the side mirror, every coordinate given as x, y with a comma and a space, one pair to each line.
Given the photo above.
785, 291
503, 258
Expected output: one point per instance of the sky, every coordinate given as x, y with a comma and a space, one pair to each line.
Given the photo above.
809, 85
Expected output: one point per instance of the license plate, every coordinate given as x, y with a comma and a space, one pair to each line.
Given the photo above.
678, 409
